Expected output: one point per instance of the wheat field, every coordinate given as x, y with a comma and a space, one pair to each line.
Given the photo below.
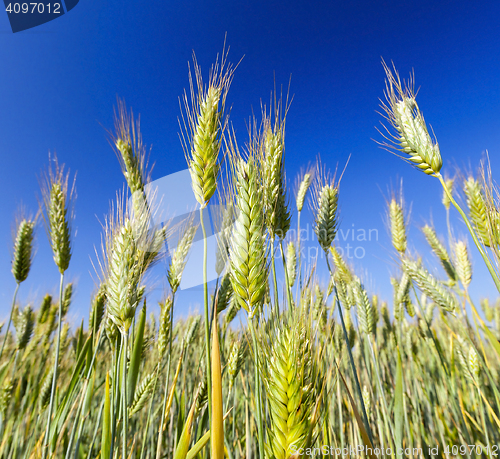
308, 370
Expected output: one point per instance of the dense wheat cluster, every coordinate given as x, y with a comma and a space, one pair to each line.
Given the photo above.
308, 369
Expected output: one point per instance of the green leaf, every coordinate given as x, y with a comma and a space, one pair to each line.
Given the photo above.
135, 360
106, 423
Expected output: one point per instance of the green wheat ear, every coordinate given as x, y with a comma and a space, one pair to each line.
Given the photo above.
273, 175
23, 250
58, 200
292, 390
477, 209
430, 286
440, 251
248, 250
204, 126
412, 137
398, 225
303, 186
24, 327
324, 207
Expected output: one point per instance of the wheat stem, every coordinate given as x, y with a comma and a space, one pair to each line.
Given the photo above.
299, 265
351, 359
124, 394
165, 393
56, 364
10, 319
275, 282
258, 399
207, 317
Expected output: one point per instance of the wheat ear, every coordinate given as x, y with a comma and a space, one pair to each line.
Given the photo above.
477, 209
430, 286
398, 226
21, 263
325, 206
248, 251
440, 251
291, 389
412, 137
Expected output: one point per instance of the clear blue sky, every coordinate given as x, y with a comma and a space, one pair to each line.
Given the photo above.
59, 82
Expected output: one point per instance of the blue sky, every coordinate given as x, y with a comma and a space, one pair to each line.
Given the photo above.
59, 82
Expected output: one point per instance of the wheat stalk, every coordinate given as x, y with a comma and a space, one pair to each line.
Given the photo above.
440, 251
248, 251
430, 286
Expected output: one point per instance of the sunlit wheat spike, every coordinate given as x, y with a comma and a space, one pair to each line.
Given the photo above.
304, 182
24, 327
430, 286
403, 292
291, 389
410, 308
142, 394
179, 258
224, 294
58, 200
66, 299
464, 267
232, 310
248, 251
493, 216
461, 349
341, 266
204, 125
342, 293
474, 364
131, 152
477, 209
411, 137
44, 395
319, 308
291, 263
273, 175
124, 272
366, 314
236, 360
164, 327
449, 182
202, 393
440, 251
97, 309
23, 250
398, 225
5, 395
367, 400
44, 310
324, 207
